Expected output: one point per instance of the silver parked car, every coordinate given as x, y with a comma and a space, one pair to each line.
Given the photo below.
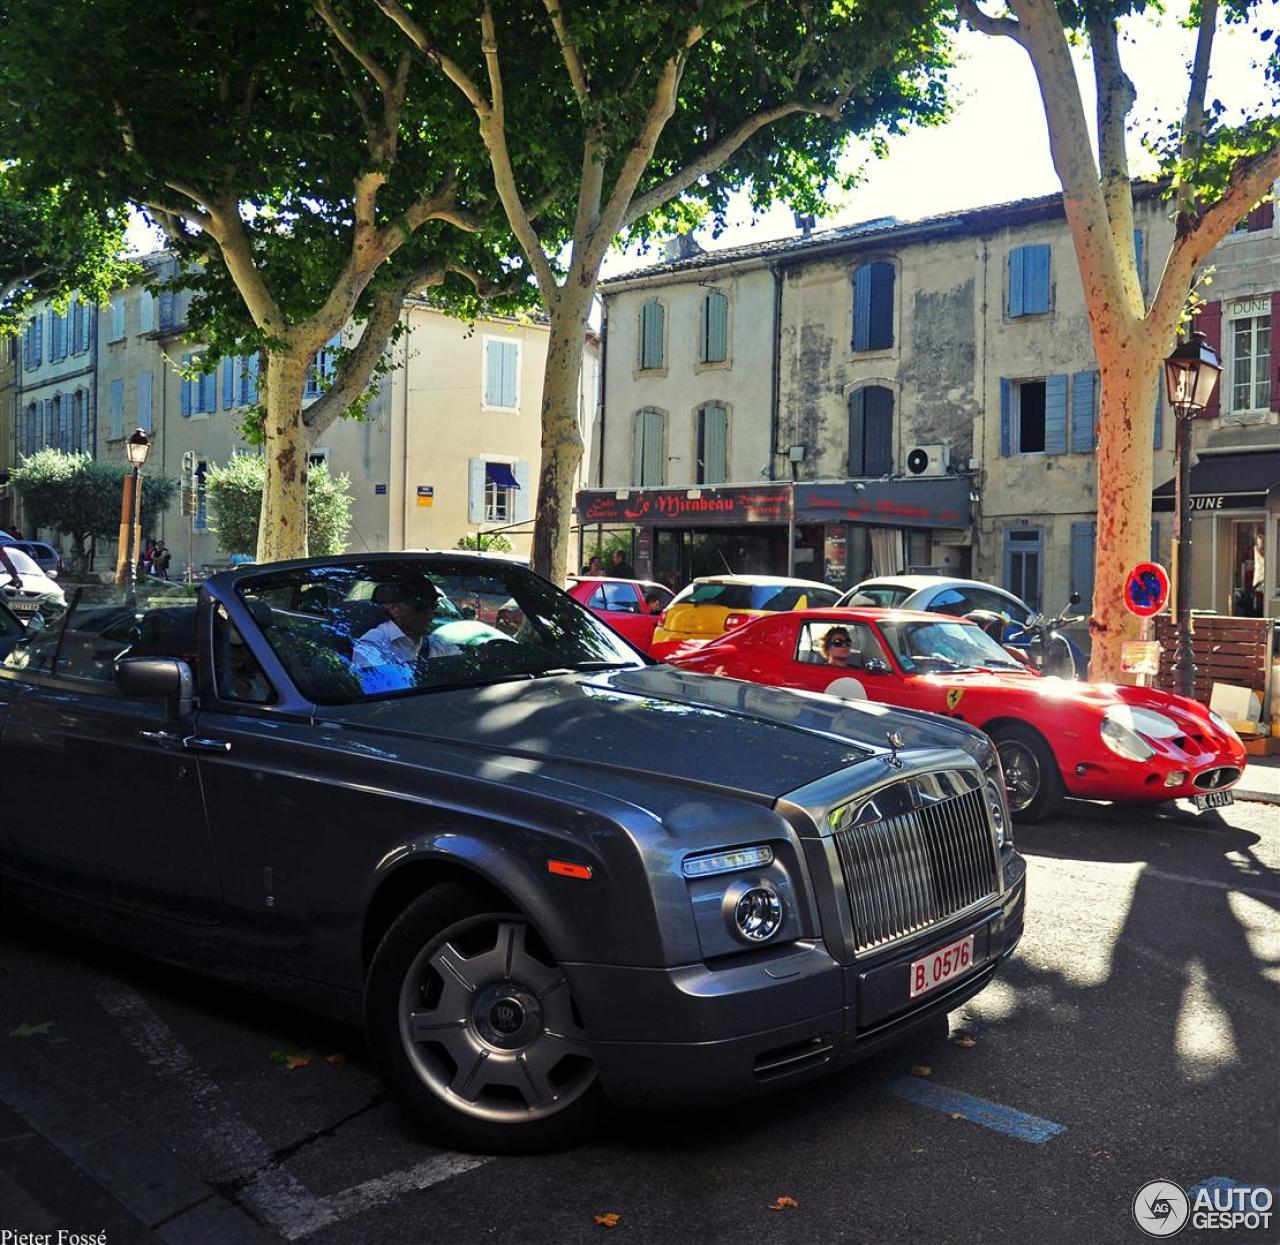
33, 592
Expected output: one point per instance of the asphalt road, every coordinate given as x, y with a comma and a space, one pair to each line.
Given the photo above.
1134, 1036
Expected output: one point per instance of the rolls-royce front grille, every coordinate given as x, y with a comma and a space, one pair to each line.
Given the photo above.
906, 872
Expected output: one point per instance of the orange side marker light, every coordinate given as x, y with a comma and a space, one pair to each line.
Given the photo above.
567, 869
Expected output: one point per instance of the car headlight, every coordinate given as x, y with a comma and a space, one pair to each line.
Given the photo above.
754, 911
1124, 726
709, 863
1224, 726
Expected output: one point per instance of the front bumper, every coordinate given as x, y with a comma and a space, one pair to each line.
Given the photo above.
673, 1037
1113, 778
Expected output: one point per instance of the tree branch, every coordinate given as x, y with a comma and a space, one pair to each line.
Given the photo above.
446, 64
572, 61
325, 9
1001, 27
1193, 118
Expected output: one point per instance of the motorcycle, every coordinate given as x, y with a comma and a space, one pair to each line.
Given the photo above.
1051, 651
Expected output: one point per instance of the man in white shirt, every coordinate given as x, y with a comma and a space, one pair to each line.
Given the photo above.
386, 655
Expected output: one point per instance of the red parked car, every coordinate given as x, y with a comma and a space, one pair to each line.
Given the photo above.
630, 606
1055, 737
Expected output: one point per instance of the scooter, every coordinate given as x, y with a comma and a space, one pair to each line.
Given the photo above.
1050, 649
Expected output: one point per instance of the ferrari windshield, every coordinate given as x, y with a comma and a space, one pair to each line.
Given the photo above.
348, 631
926, 647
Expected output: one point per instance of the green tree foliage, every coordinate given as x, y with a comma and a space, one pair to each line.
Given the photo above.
52, 243
235, 505
607, 119
301, 181
79, 497
485, 542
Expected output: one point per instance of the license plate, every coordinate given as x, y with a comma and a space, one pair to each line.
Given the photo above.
941, 965
1214, 799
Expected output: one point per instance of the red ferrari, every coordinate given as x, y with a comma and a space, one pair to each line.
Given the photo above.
1094, 741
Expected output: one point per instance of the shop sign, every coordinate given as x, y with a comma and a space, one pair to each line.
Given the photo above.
697, 507
887, 503
426, 494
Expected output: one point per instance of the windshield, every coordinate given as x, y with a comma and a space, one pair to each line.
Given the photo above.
882, 596
757, 596
356, 630
929, 647
22, 563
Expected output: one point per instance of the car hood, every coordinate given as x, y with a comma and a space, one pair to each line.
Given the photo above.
663, 724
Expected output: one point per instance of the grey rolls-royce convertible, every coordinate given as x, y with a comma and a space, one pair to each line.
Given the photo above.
541, 869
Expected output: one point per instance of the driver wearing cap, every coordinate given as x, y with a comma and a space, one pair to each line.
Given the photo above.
398, 642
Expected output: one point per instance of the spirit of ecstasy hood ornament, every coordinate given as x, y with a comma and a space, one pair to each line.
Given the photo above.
896, 745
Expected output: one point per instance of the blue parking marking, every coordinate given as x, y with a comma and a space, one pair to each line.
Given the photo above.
1223, 1182
977, 1110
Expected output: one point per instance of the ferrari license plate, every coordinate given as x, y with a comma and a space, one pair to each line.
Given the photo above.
1213, 799
944, 964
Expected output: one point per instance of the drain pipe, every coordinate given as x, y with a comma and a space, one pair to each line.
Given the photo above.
775, 372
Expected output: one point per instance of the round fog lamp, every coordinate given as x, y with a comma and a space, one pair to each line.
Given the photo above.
757, 914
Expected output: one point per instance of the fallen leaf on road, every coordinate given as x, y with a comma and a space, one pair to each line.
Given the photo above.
291, 1059
25, 1030
918, 1150
783, 1203
964, 1040
335, 1058
608, 1221
955, 1115
922, 1069
1102, 1156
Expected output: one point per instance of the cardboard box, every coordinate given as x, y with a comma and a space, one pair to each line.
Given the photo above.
1262, 746
1236, 704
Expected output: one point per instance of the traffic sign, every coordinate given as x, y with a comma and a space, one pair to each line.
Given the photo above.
1147, 589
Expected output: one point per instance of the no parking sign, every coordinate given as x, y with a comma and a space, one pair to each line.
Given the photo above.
1147, 589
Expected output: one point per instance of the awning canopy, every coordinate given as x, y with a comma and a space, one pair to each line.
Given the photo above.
500, 475
1239, 480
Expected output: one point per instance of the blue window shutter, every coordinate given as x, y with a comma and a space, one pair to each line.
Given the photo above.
647, 458
1157, 435
857, 433
76, 319
229, 382
86, 325
117, 408
39, 346
144, 401
862, 308
878, 451
524, 495
715, 432
1083, 541
1084, 388
249, 381
510, 386
1006, 416
1016, 265
1137, 257
492, 373
1055, 413
651, 326
184, 387
715, 327
475, 490
1036, 294
208, 393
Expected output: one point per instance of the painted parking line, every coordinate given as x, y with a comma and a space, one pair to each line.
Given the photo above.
992, 1115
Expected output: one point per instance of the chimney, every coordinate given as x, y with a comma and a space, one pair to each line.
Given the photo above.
804, 223
682, 246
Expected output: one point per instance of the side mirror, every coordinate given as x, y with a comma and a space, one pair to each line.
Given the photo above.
876, 665
1074, 599
158, 678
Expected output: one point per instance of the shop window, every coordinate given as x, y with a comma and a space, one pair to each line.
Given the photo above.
873, 306
1248, 568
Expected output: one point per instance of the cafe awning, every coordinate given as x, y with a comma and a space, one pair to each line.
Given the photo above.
1239, 480
500, 475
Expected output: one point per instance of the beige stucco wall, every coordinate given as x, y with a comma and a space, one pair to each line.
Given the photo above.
742, 384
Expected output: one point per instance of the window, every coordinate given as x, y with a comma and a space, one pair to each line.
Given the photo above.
80, 422
144, 401
62, 407
501, 374
199, 392
146, 312
200, 520
714, 347
318, 458
1029, 289
321, 372
649, 459
239, 381
29, 429
713, 434
1083, 539
1023, 557
652, 328
1249, 342
117, 409
117, 318
33, 348
873, 306
871, 431
1033, 415
87, 314
862, 645
57, 337
498, 492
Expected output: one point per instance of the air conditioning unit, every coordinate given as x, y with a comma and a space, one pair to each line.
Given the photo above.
928, 460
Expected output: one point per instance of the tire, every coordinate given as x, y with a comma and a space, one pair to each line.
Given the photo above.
472, 1025
1031, 776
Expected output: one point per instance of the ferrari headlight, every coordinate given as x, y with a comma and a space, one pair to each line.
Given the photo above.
1223, 725
1123, 728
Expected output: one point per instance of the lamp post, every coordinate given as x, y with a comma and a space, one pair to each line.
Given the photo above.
1190, 374
136, 447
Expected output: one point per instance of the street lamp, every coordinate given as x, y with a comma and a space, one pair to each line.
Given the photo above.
136, 449
1190, 375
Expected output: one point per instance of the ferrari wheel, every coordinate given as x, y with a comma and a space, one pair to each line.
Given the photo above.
1031, 776
473, 1026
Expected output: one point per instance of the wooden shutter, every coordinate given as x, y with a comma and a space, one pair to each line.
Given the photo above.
1083, 541
651, 318
184, 389
524, 494
714, 445
144, 401
510, 386
475, 490
862, 308
1017, 258
117, 318
117, 408
1084, 405
857, 433
647, 457
39, 342
1006, 416
146, 311
878, 445
1275, 351
208, 393
249, 380
1055, 413
1209, 322
715, 328
1261, 217
1029, 280
86, 325
492, 373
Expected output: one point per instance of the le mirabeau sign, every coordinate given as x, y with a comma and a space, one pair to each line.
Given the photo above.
687, 507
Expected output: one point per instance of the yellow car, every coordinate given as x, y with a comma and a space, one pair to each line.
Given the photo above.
709, 607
